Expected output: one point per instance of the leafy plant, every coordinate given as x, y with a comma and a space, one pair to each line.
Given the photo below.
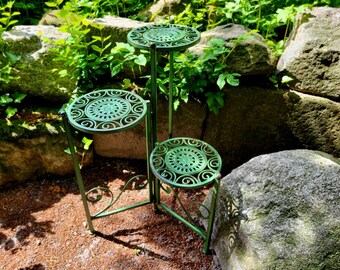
86, 143
194, 75
99, 8
271, 18
88, 56
7, 100
124, 55
6, 19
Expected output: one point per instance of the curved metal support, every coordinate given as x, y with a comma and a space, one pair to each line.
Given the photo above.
189, 220
113, 200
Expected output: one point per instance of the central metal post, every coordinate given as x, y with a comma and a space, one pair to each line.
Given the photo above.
171, 91
153, 55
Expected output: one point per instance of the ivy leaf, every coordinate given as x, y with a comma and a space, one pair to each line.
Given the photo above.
286, 79
176, 104
127, 83
51, 4
12, 57
116, 69
27, 126
162, 87
87, 142
140, 60
10, 111
63, 73
68, 150
232, 80
51, 129
5, 99
91, 56
18, 97
221, 80
96, 48
283, 15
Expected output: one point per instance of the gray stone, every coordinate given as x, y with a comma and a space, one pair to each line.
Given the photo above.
252, 122
257, 120
162, 9
314, 121
280, 211
250, 56
115, 26
312, 54
29, 158
51, 18
32, 44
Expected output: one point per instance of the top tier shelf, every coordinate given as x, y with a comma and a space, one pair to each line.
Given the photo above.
165, 37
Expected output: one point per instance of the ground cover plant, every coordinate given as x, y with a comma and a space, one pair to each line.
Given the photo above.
95, 60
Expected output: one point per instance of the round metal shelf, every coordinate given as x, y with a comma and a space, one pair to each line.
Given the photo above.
167, 37
185, 162
106, 111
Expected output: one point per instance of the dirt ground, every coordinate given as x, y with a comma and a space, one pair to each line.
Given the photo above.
43, 226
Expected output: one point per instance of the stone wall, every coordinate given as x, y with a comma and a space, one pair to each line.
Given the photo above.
255, 119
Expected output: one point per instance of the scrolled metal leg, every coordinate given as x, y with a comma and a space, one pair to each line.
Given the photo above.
77, 173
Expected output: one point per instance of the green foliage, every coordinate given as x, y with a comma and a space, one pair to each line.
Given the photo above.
30, 11
271, 18
194, 75
8, 101
6, 16
90, 57
100, 8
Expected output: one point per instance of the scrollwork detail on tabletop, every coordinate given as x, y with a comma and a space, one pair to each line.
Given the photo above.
106, 110
186, 162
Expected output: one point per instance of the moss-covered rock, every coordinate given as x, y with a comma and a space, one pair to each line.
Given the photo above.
280, 211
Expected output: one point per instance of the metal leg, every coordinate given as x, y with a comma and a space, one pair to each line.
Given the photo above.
171, 91
77, 173
149, 147
154, 98
154, 116
214, 193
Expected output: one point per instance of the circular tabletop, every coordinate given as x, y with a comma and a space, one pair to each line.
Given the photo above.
167, 37
185, 162
106, 111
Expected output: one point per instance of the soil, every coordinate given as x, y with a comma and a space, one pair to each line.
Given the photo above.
43, 225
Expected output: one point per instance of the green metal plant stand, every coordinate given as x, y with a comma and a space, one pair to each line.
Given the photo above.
178, 163
104, 112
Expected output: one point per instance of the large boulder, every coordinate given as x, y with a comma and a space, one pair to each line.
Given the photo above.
116, 27
312, 54
314, 121
257, 120
280, 211
252, 122
32, 47
251, 56
30, 158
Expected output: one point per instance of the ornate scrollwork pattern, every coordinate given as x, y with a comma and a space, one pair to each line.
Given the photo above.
95, 194
185, 162
164, 36
106, 110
